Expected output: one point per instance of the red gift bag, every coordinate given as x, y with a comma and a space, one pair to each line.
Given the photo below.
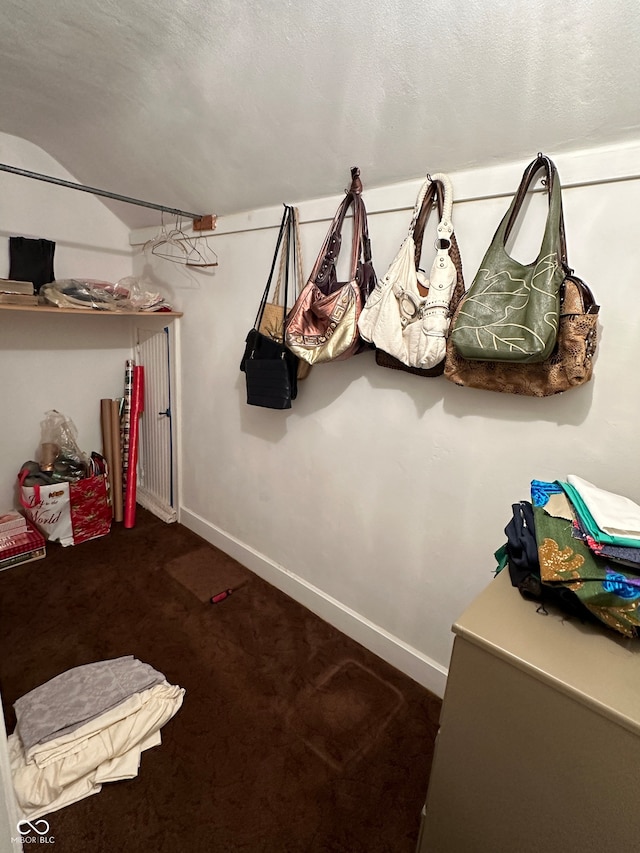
68, 513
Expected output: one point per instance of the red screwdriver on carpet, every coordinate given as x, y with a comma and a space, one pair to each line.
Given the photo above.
220, 596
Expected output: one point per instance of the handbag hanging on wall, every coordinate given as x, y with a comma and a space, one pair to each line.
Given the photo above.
511, 311
272, 322
270, 368
407, 316
323, 323
570, 363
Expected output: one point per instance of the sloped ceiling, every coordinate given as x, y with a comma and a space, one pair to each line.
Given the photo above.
233, 105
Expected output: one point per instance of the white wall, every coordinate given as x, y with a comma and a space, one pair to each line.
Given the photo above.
56, 362
379, 499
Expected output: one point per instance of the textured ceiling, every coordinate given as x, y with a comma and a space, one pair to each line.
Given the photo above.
237, 104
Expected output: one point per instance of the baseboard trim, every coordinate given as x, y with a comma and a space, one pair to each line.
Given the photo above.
149, 501
413, 663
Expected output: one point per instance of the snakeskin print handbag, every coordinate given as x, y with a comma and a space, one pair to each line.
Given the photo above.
569, 365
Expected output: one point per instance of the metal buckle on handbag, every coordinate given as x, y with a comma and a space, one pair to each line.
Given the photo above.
417, 308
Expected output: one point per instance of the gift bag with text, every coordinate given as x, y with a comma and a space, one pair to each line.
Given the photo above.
69, 513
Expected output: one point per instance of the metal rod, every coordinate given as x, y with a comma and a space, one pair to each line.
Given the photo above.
457, 201
38, 177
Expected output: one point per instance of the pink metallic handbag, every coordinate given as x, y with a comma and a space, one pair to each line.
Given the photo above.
323, 323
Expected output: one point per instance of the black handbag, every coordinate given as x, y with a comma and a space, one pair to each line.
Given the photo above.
270, 368
31, 260
268, 383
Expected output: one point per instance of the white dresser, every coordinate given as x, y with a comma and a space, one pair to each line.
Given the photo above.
539, 742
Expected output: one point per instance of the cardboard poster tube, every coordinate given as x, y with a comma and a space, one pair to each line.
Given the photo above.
107, 444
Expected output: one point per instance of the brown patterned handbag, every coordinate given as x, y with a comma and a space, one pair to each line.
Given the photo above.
569, 365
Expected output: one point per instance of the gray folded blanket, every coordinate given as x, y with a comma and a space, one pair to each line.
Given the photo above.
68, 701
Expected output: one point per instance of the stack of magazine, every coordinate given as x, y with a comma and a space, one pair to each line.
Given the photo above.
20, 541
17, 292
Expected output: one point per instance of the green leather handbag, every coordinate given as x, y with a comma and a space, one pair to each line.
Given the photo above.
511, 311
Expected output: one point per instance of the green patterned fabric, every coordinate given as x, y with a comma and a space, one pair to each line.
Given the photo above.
611, 595
511, 311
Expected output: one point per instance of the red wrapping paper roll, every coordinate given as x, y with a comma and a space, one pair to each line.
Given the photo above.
137, 407
125, 422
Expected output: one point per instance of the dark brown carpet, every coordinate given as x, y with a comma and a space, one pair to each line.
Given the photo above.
292, 738
207, 571
341, 715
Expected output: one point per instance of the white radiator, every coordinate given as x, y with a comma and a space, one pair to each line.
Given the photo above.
155, 487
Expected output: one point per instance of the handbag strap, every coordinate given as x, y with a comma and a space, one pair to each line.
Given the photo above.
562, 236
443, 185
588, 299
296, 250
265, 295
283, 254
288, 242
331, 247
364, 227
554, 227
437, 188
417, 227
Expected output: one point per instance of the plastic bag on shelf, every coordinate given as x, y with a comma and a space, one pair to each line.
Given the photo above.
140, 297
87, 294
90, 294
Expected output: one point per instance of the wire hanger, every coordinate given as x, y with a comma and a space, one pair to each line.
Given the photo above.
170, 244
159, 239
200, 253
177, 246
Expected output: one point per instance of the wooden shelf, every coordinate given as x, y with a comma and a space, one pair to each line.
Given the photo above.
52, 309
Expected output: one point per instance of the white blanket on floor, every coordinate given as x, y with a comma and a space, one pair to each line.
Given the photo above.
106, 749
74, 697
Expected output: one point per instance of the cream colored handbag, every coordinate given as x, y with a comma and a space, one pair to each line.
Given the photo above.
407, 314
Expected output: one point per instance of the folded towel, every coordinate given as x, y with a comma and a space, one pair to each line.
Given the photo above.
606, 513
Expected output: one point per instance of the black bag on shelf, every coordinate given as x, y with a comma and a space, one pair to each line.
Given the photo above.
31, 260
